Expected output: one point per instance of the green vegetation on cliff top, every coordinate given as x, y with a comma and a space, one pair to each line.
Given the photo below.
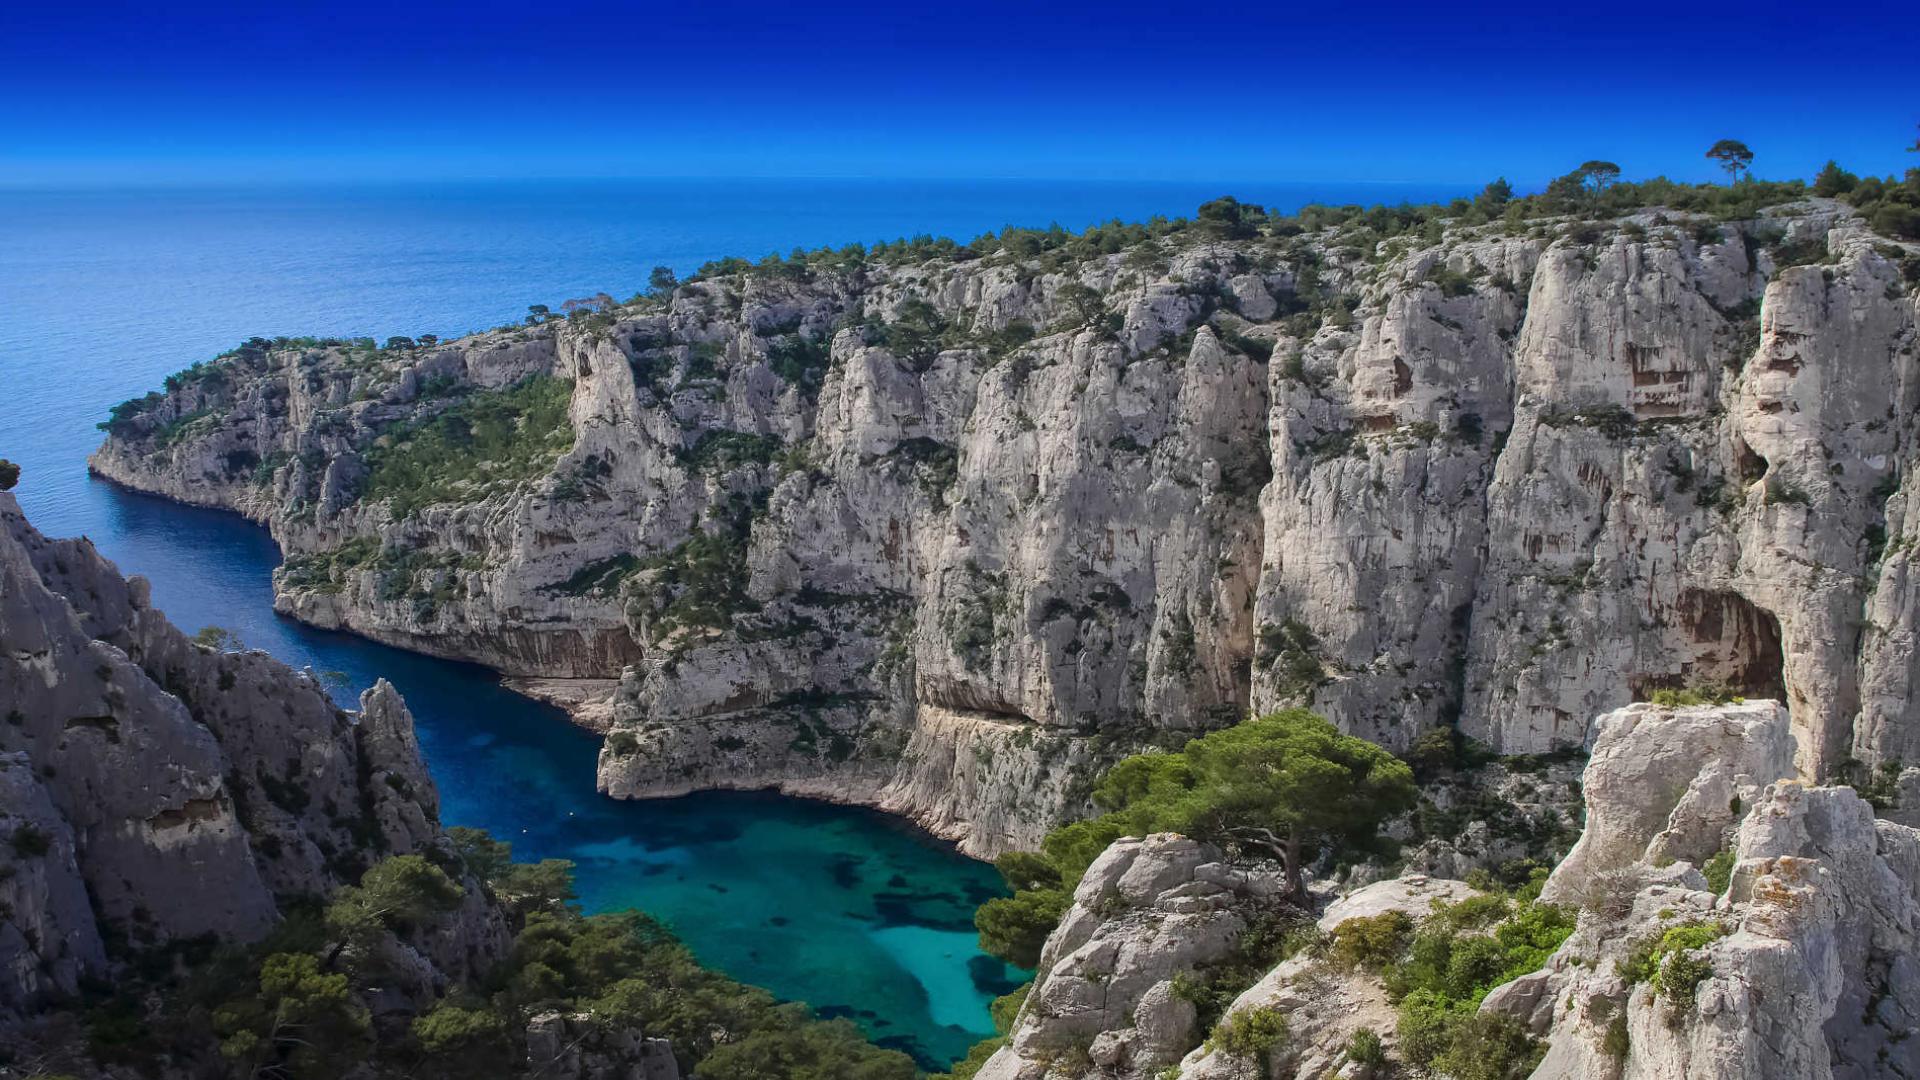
488, 441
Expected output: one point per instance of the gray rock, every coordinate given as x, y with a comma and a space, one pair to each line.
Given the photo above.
1105, 983
1812, 976
1529, 481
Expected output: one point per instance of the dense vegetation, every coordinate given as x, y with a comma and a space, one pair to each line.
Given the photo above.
1591, 192
489, 440
1439, 970
314, 1000
1287, 786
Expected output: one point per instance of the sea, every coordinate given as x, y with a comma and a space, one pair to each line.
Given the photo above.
106, 290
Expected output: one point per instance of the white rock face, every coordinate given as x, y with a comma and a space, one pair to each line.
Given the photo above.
1414, 894
1324, 1005
1667, 783
158, 790
1103, 1003
1809, 969
854, 533
1813, 974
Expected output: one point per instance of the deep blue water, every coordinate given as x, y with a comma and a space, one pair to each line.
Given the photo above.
102, 293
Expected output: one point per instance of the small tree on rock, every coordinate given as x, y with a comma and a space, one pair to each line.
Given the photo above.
1599, 174
1733, 156
1288, 785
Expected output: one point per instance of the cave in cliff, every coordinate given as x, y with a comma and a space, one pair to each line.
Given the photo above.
1733, 642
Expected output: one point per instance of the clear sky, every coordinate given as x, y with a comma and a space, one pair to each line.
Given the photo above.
186, 92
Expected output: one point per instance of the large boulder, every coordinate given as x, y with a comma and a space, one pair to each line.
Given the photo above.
1665, 784
1806, 966
1147, 912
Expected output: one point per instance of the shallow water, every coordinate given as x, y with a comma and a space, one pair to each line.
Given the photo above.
103, 293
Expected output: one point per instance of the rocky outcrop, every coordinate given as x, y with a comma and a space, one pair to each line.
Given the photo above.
927, 534
579, 1048
1803, 967
154, 791
1107, 1000
1323, 1005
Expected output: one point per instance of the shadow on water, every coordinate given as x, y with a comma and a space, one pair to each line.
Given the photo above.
855, 912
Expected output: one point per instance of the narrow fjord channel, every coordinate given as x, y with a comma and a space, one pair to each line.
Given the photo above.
851, 911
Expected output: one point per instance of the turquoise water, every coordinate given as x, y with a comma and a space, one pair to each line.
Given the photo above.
104, 293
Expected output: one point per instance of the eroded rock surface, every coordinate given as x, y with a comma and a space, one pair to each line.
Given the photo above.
154, 791
946, 535
1805, 967
1106, 1001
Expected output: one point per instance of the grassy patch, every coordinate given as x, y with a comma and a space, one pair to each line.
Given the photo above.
489, 441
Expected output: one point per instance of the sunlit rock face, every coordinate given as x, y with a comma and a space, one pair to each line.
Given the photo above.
154, 790
1807, 966
943, 535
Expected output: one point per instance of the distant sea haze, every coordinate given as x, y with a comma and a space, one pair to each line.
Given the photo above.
107, 292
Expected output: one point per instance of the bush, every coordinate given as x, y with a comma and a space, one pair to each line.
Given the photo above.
1250, 1032
1287, 786
1015, 928
1458, 954
1672, 962
1708, 694
463, 1042
1372, 943
489, 441
1364, 1048
30, 842
1489, 1046
1618, 1041
1719, 872
1426, 1025
9, 474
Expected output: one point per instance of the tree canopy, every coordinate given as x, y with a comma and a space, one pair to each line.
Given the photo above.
1287, 786
1733, 156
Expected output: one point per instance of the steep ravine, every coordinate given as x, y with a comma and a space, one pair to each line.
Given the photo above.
939, 532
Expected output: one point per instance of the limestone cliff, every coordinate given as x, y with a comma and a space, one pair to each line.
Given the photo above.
940, 534
156, 791
161, 800
1795, 961
1801, 964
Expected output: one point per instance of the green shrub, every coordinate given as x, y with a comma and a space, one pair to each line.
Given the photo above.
1371, 943
1286, 786
1706, 694
489, 441
599, 578
1250, 1032
706, 577
1618, 1041
30, 842
462, 1042
719, 452
1457, 955
9, 475
1672, 962
1719, 872
1014, 928
1365, 1048
1426, 1025
1489, 1046
1006, 1008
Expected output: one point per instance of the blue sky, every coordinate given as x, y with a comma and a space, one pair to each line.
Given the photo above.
128, 93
